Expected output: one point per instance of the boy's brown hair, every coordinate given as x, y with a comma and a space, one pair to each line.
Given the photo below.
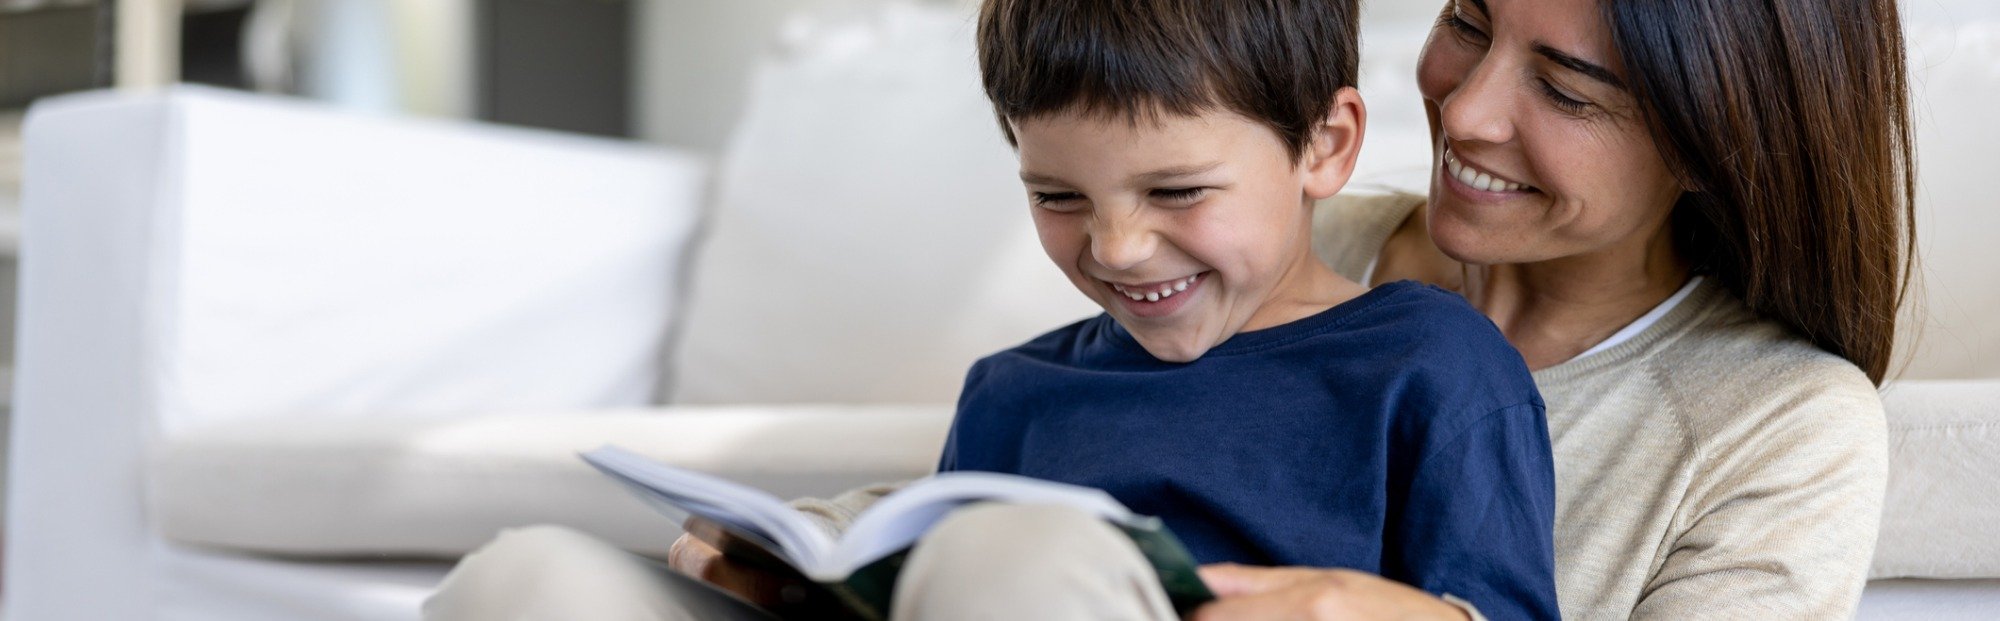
1278, 62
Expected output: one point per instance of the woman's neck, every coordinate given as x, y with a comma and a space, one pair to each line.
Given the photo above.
1551, 310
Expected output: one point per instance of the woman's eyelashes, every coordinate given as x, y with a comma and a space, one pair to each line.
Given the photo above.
1464, 28
1562, 102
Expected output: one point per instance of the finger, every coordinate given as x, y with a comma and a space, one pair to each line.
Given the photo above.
1232, 580
750, 584
708, 532
688, 555
1258, 607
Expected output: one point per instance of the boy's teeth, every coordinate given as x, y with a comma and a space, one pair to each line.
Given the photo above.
1166, 290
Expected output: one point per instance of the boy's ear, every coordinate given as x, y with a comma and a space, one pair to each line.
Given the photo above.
1336, 144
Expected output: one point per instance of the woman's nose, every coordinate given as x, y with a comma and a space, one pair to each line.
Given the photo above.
1480, 108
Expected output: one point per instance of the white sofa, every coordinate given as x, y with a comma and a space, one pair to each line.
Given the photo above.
279, 362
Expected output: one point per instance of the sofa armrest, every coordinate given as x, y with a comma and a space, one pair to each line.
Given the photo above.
413, 488
197, 257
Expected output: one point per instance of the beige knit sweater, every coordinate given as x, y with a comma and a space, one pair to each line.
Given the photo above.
1715, 466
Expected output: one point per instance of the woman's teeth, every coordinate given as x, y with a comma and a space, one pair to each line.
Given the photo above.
1477, 179
1150, 294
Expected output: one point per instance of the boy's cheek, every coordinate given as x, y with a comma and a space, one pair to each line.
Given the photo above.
1062, 241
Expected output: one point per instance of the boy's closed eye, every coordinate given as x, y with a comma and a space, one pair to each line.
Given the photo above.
1180, 196
1058, 201
1173, 197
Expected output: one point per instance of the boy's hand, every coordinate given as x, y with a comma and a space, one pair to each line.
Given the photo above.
1305, 593
699, 553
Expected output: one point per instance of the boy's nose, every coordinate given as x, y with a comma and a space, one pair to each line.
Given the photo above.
1122, 245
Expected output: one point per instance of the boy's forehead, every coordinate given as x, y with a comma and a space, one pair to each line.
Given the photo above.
1058, 147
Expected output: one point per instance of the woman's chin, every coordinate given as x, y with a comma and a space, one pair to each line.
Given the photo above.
1478, 243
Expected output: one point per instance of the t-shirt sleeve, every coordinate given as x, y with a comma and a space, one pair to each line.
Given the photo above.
971, 401
1478, 518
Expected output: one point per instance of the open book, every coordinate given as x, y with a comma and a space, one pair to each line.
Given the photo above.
859, 568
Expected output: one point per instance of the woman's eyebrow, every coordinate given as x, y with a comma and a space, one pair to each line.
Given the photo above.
1587, 68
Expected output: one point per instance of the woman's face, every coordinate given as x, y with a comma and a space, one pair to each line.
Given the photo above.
1542, 154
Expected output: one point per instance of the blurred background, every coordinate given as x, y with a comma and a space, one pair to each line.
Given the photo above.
610, 68
671, 72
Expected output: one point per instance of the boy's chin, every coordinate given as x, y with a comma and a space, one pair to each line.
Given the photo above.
1172, 350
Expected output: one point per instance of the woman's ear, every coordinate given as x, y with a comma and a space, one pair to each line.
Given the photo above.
1336, 143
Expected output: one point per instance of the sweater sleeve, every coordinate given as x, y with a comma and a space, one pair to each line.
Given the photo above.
1781, 522
1478, 523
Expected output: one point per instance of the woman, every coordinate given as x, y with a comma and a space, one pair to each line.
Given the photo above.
1692, 217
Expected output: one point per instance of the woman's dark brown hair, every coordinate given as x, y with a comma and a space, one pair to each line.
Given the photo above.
1789, 119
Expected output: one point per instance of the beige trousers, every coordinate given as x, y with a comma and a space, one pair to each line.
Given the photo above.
983, 562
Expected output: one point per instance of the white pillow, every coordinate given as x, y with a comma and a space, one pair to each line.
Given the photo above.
319, 261
871, 239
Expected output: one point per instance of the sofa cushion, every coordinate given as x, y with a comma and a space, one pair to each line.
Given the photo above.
871, 238
414, 488
1942, 505
410, 488
302, 258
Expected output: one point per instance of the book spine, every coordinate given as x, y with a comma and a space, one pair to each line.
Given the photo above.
1171, 560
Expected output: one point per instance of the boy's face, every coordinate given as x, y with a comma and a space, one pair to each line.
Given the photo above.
1186, 229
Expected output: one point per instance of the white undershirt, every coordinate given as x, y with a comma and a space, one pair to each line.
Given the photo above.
1623, 334
1644, 321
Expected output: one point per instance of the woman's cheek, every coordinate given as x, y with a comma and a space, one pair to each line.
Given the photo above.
1441, 68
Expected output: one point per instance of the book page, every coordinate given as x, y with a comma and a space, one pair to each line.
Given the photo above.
898, 520
758, 517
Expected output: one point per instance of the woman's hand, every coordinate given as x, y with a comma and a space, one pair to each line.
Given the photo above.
1255, 593
699, 553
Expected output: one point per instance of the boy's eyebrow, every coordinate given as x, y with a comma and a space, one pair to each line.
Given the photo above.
1156, 176
1587, 68
1040, 179
1176, 172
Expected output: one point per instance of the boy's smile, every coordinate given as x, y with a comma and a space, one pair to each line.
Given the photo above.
1186, 229
1157, 299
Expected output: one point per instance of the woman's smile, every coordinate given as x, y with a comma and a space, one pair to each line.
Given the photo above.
1476, 178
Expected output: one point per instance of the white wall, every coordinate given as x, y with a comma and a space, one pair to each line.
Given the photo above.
695, 58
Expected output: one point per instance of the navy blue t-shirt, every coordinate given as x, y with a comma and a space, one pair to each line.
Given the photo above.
1397, 433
